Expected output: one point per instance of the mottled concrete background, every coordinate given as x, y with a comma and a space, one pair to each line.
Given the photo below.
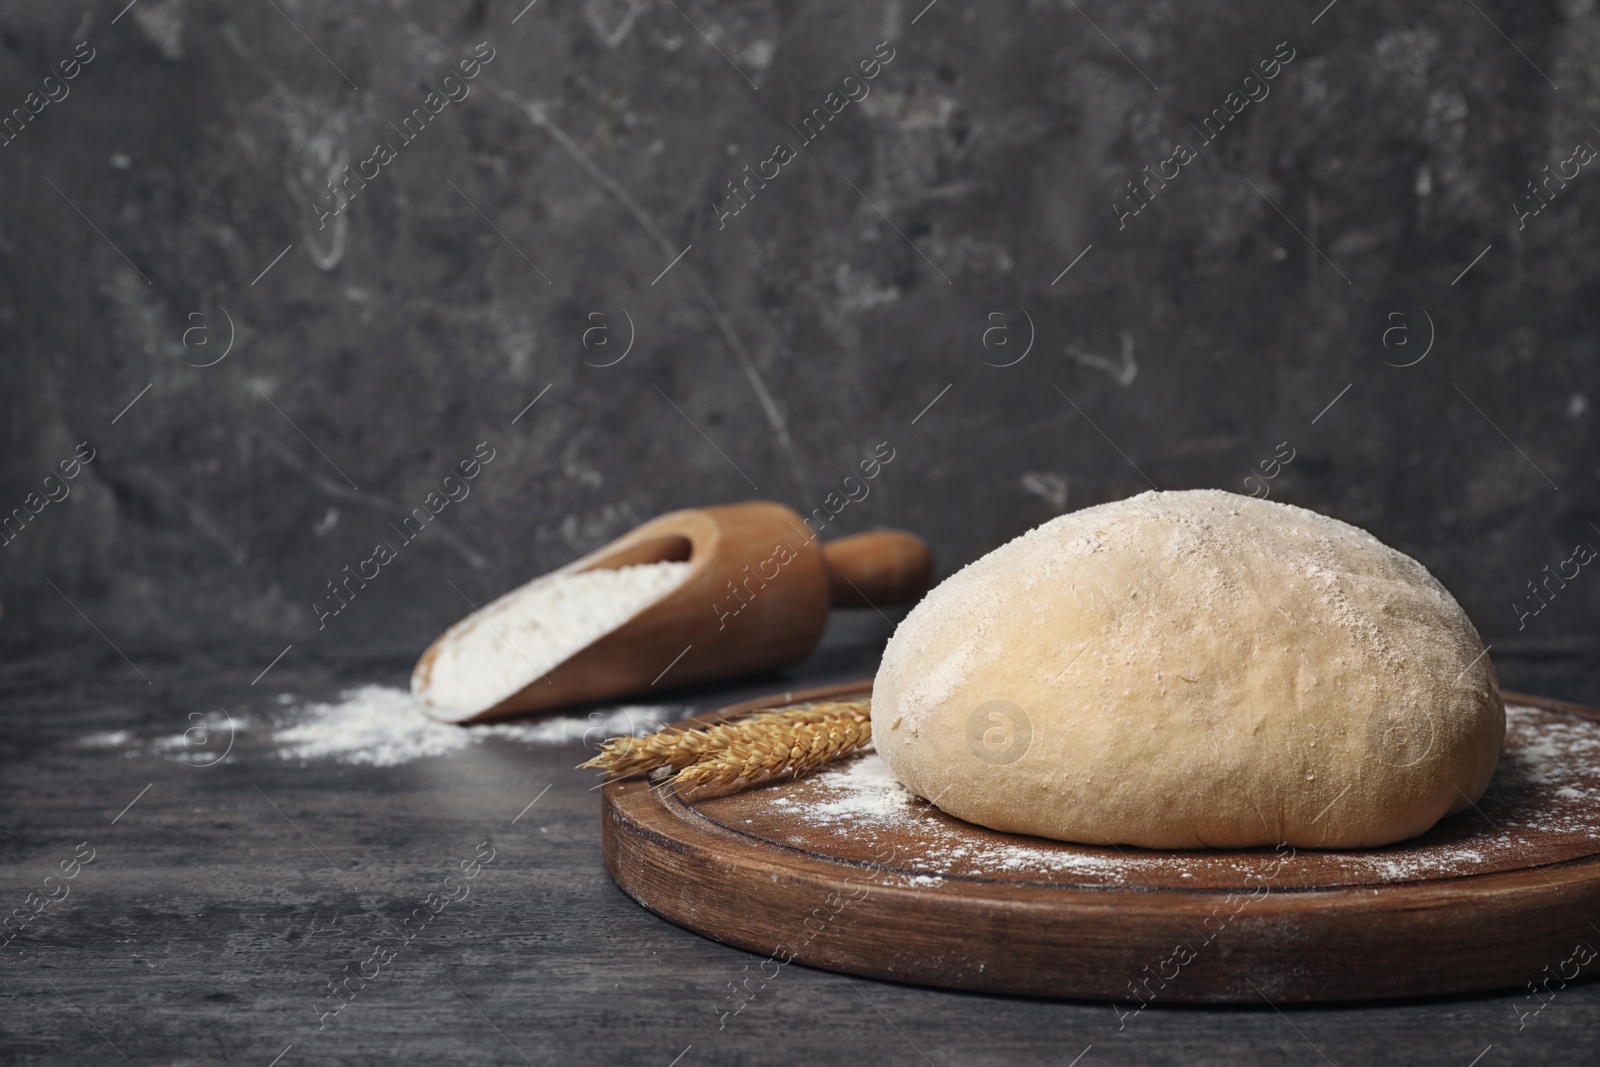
515, 250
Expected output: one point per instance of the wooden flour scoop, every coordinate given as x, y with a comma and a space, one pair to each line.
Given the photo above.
756, 596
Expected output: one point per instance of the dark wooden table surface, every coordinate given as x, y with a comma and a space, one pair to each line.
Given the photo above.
222, 904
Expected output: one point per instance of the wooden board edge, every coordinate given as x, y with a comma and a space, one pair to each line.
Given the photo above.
1549, 704
1465, 934
1407, 940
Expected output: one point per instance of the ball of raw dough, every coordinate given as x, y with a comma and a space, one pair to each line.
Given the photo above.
1192, 669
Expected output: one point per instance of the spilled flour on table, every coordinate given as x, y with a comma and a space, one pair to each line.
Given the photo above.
383, 726
373, 725
106, 739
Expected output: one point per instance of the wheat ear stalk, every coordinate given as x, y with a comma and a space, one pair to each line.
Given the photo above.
727, 757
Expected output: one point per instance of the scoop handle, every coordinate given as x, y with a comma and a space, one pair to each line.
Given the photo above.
876, 568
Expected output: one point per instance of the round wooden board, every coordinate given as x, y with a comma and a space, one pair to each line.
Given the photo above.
847, 871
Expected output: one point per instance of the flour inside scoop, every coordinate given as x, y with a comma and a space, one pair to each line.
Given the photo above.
496, 651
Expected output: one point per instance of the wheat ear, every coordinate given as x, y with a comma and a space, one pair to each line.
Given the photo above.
727, 757
782, 744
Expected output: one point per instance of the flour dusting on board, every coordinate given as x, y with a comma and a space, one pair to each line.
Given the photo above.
865, 788
1552, 756
1544, 750
862, 799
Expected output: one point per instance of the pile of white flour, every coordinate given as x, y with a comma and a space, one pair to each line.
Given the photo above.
520, 637
383, 727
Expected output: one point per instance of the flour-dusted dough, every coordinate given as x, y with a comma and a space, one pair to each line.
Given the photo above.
1192, 669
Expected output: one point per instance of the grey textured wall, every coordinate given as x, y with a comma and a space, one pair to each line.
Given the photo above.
902, 257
